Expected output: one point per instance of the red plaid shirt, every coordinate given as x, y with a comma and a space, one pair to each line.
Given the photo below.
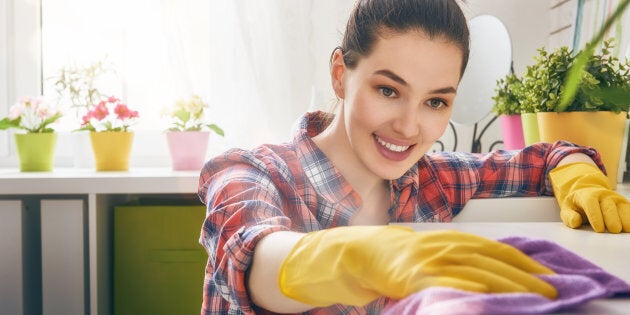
293, 186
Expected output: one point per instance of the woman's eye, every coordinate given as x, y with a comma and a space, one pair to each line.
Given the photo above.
387, 92
436, 103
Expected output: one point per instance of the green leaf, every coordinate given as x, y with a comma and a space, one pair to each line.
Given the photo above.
614, 95
7, 123
216, 129
86, 128
574, 79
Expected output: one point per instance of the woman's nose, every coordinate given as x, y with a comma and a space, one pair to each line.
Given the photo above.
406, 122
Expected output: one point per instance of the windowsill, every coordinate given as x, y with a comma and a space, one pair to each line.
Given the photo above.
85, 180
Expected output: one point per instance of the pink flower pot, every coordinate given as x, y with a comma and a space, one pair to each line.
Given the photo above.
187, 149
512, 130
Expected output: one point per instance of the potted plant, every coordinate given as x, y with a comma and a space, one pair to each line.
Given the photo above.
77, 85
78, 88
108, 123
507, 105
36, 144
591, 118
542, 82
188, 135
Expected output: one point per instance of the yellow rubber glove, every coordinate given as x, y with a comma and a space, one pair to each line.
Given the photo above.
583, 193
357, 264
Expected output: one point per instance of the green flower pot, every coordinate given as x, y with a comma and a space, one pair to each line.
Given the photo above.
530, 128
36, 151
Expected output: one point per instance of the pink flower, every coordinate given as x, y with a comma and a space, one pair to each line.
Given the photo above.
44, 111
123, 112
16, 111
109, 115
100, 111
35, 115
86, 118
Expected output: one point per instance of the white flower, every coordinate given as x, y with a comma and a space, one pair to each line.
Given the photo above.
16, 111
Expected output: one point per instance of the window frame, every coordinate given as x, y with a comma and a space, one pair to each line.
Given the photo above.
20, 63
21, 74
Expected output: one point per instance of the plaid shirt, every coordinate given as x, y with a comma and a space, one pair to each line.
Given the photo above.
293, 186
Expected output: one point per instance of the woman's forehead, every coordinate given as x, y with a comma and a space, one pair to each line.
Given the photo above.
408, 53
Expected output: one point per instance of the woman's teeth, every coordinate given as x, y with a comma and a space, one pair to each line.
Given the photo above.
391, 146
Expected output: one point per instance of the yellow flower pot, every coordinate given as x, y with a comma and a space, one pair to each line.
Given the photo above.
112, 150
36, 151
603, 131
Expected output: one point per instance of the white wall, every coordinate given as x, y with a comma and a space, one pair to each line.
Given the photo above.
527, 22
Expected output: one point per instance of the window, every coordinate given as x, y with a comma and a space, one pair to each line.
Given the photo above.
259, 64
157, 49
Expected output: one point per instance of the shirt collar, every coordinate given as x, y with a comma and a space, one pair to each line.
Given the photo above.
326, 179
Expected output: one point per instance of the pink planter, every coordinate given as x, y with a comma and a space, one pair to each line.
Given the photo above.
512, 130
188, 149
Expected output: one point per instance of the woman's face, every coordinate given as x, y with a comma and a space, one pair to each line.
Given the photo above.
398, 100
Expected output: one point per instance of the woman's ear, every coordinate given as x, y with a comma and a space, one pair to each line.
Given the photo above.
337, 70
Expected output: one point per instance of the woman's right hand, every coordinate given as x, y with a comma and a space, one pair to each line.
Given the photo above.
357, 264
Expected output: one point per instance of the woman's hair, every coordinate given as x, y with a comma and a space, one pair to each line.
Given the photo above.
436, 18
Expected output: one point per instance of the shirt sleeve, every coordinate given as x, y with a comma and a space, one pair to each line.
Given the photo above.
501, 173
243, 206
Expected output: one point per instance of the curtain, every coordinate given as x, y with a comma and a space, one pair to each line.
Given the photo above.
269, 63
591, 15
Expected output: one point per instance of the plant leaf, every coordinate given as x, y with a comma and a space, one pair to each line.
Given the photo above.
216, 129
7, 123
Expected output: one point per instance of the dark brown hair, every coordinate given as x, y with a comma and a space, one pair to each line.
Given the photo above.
436, 18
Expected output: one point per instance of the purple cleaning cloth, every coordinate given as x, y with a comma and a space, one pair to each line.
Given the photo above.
577, 281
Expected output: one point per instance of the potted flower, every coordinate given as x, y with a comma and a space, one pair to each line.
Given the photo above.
108, 123
36, 144
188, 135
79, 87
507, 105
591, 118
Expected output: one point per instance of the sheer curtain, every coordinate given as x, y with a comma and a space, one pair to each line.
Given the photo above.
270, 63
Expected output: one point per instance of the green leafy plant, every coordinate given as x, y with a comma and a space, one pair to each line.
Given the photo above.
31, 114
508, 96
190, 115
544, 82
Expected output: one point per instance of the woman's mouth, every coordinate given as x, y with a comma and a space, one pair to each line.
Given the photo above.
392, 151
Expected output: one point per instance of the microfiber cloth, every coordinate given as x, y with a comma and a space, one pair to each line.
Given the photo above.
576, 280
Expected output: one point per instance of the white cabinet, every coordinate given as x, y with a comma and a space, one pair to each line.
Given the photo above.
57, 233
63, 257
11, 262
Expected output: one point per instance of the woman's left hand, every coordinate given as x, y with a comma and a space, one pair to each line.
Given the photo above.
583, 193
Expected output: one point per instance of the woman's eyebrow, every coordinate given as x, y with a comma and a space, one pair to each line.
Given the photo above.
391, 75
395, 77
444, 90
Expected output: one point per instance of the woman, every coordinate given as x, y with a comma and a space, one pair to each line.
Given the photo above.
302, 226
